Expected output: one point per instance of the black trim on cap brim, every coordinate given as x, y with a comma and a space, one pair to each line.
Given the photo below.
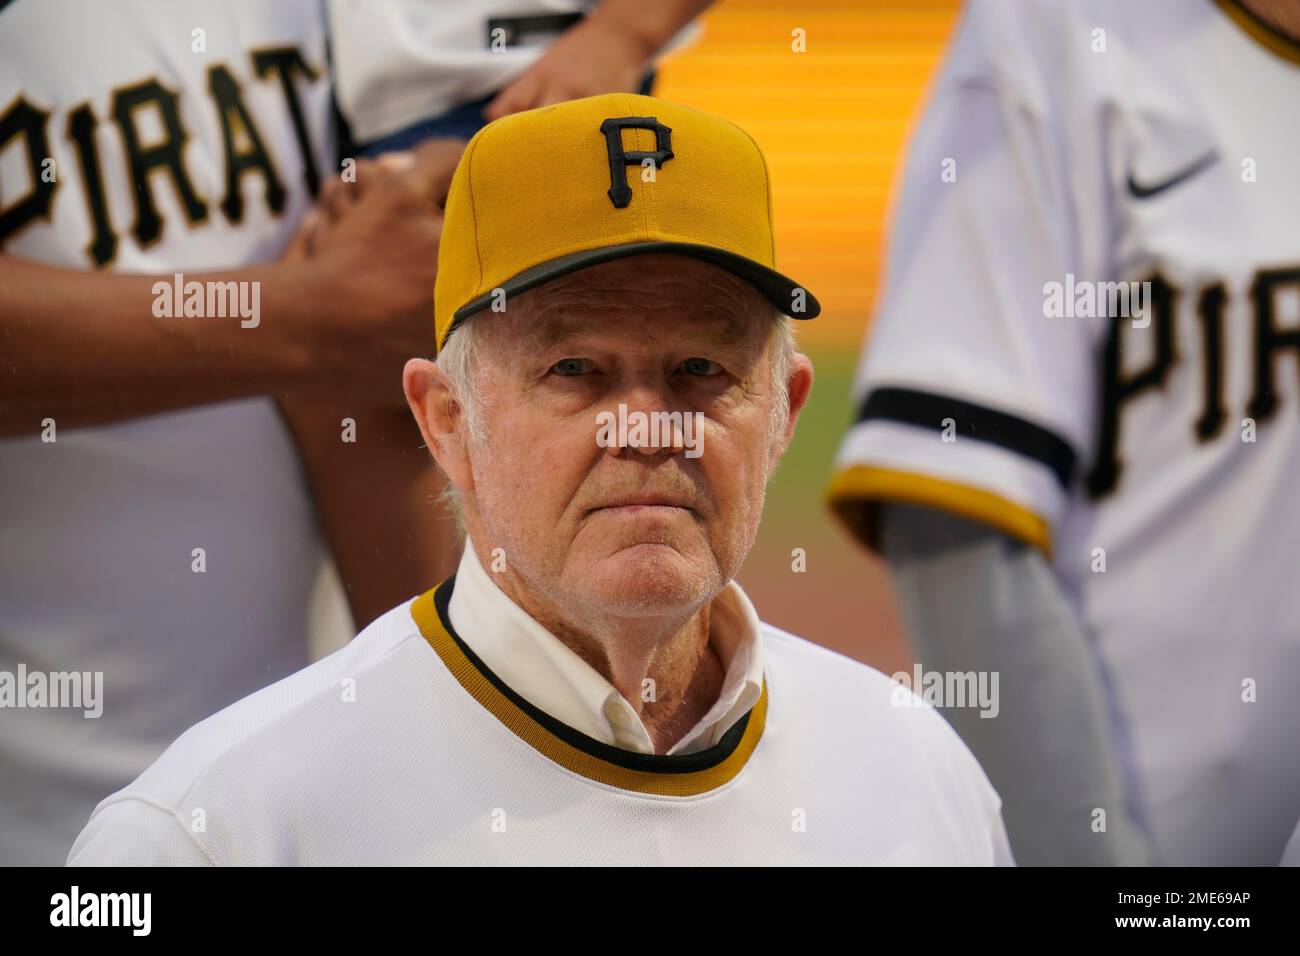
774, 286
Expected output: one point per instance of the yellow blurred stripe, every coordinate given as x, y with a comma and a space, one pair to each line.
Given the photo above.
832, 122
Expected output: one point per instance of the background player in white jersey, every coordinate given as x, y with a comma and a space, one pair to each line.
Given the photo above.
1086, 486
592, 686
155, 527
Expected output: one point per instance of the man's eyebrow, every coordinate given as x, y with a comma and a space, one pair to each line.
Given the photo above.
552, 332
738, 332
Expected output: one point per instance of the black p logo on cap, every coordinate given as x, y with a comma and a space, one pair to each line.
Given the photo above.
620, 193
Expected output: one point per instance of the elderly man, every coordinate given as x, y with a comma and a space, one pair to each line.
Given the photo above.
592, 686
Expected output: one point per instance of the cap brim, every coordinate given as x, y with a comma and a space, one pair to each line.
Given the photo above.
776, 288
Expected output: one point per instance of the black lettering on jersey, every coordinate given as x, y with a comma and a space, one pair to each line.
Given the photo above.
1210, 310
1117, 390
237, 128
143, 160
285, 62
23, 119
1269, 339
81, 131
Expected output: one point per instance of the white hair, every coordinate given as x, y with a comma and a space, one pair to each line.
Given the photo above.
460, 361
782, 352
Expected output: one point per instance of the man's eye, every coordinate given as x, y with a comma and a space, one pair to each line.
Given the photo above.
700, 366
572, 366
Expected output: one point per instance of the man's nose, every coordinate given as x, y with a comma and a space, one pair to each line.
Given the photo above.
648, 423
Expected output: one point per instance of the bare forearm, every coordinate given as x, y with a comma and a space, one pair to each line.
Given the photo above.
974, 600
654, 24
376, 497
87, 348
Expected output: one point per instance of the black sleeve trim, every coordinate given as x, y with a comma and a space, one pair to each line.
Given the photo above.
928, 410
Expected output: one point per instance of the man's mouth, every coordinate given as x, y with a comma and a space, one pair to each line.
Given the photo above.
643, 503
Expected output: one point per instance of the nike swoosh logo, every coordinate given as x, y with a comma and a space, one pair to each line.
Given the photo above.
1140, 191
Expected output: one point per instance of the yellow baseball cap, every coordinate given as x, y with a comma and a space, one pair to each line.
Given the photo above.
546, 192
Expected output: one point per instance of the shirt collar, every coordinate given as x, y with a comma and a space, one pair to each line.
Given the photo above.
545, 671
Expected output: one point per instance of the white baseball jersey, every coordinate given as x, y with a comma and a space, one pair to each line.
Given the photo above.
398, 62
404, 748
176, 137
1152, 451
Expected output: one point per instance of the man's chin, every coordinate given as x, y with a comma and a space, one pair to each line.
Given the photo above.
652, 579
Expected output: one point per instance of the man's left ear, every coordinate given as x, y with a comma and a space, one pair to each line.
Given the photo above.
799, 387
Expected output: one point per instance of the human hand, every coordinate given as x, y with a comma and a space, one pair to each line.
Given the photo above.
428, 169
595, 56
370, 259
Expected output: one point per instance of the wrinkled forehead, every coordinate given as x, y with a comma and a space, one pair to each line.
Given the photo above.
639, 327
640, 299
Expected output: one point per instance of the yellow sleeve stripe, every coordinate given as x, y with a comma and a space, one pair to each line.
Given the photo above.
854, 490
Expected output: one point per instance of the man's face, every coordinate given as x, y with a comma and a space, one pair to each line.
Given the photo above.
617, 530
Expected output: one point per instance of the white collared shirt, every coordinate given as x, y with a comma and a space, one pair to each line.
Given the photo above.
550, 675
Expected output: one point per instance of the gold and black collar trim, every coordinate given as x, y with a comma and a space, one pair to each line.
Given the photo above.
677, 775
1261, 31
